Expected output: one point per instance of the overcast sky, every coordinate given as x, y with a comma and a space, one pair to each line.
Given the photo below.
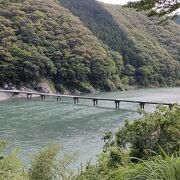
116, 1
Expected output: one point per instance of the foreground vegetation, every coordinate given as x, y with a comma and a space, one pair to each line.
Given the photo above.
147, 148
44, 165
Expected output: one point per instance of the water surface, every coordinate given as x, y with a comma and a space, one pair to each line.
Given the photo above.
32, 124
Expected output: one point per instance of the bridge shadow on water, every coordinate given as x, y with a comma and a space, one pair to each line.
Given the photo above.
111, 108
120, 109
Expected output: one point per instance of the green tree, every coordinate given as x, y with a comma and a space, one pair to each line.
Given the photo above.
147, 148
46, 165
146, 135
157, 7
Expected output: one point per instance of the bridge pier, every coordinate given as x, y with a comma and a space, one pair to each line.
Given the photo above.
142, 104
117, 103
171, 106
76, 100
13, 94
95, 102
43, 97
29, 96
59, 99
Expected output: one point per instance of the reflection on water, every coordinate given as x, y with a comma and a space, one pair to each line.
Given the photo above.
31, 124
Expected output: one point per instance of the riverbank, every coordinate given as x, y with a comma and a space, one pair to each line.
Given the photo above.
5, 96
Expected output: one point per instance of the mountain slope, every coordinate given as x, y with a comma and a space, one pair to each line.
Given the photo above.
41, 39
77, 44
151, 52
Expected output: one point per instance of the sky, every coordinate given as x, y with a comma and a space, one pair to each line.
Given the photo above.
116, 1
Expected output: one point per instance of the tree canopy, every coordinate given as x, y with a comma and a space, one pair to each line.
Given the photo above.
147, 48
41, 39
157, 7
85, 45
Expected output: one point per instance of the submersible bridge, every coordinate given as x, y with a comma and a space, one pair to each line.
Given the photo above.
76, 99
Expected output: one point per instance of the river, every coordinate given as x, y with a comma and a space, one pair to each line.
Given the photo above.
32, 124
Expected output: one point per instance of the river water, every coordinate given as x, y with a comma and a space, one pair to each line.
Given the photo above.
32, 124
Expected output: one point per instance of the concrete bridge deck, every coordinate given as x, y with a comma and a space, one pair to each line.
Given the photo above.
76, 98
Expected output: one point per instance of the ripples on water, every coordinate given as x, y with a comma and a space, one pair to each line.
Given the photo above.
32, 124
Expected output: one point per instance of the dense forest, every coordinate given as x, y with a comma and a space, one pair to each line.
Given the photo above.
85, 45
41, 39
151, 53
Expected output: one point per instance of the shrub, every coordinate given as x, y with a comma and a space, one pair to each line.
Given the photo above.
145, 135
10, 166
162, 167
46, 166
135, 151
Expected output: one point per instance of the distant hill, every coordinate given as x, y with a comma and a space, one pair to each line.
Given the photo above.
78, 44
151, 52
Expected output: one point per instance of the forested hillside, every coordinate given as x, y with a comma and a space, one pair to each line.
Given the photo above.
151, 52
91, 45
40, 39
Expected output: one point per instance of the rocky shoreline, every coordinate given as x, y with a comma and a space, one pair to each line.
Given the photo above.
44, 87
5, 96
